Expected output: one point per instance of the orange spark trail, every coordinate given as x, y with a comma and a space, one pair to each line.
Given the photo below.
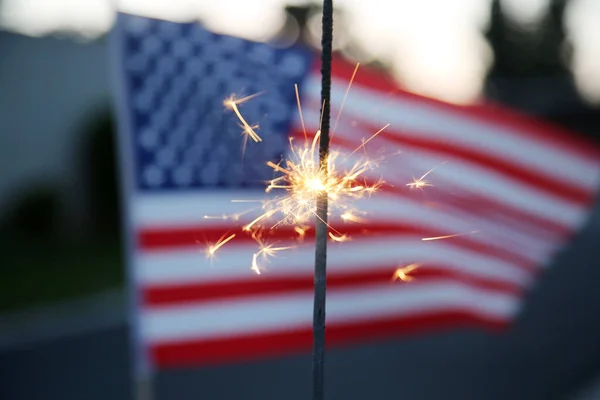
231, 103
344, 100
369, 139
421, 182
212, 249
448, 236
300, 112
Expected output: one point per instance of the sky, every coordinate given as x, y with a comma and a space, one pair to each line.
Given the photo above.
436, 46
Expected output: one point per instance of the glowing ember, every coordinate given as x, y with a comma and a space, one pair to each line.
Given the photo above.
339, 238
402, 273
350, 216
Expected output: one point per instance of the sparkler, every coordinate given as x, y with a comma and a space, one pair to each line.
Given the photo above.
321, 227
306, 175
301, 178
313, 184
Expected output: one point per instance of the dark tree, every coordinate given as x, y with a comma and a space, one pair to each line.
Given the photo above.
100, 169
532, 51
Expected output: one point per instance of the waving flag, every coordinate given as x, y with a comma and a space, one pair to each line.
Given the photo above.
500, 196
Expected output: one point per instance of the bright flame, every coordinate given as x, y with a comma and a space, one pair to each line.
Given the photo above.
303, 178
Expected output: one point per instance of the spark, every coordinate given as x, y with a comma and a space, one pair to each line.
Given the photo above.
349, 216
223, 216
248, 227
269, 250
232, 103
448, 236
301, 231
212, 249
234, 216
418, 184
247, 131
369, 139
254, 266
402, 272
300, 111
421, 182
344, 99
339, 238
265, 251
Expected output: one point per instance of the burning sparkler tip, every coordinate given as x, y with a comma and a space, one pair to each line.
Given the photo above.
303, 176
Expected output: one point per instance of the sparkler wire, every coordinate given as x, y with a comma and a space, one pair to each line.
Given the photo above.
321, 227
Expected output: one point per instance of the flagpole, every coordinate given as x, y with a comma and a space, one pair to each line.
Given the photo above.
321, 226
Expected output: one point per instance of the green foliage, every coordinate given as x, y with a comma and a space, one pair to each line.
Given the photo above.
35, 272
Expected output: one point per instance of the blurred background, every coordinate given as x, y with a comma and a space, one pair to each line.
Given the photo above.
63, 324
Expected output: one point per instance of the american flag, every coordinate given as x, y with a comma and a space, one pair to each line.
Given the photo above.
513, 188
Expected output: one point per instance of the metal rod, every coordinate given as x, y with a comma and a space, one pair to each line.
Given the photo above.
321, 220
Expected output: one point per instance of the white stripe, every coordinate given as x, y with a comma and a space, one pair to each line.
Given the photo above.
181, 266
425, 121
382, 207
280, 313
461, 174
488, 183
190, 209
175, 210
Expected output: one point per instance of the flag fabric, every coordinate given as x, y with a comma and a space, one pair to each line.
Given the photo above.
502, 194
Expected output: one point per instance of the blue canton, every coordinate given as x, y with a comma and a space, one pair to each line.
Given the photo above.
176, 77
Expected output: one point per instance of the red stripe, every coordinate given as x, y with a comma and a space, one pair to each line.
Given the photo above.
156, 239
488, 206
559, 188
485, 205
254, 285
487, 112
285, 343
